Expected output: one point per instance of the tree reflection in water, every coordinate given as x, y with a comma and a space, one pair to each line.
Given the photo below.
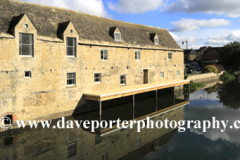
229, 94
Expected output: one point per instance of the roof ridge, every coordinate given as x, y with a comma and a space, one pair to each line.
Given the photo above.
19, 1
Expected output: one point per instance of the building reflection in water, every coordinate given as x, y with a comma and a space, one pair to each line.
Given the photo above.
105, 143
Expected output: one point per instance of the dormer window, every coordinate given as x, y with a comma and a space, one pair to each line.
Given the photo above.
117, 36
154, 38
115, 33
156, 41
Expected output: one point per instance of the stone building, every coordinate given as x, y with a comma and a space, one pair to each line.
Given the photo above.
56, 62
210, 56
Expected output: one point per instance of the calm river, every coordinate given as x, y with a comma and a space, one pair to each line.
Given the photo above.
220, 100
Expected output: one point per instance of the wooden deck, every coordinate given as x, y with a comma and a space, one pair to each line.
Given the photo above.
132, 90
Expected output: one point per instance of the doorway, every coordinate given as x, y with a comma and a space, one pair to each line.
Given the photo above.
145, 76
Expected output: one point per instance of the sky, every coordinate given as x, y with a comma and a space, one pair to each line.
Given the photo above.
201, 22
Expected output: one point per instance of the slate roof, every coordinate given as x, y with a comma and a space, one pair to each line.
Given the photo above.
47, 19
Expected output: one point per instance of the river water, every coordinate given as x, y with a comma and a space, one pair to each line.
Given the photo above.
220, 100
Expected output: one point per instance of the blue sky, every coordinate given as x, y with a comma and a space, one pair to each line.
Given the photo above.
202, 22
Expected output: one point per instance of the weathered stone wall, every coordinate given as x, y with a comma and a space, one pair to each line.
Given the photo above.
204, 77
46, 92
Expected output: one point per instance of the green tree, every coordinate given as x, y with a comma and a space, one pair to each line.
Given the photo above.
230, 56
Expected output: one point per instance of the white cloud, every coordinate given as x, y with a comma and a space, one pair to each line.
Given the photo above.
224, 38
94, 7
192, 24
229, 8
136, 6
216, 110
191, 40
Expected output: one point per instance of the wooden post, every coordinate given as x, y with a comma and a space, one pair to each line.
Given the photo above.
100, 107
156, 95
156, 100
188, 90
133, 100
133, 106
174, 95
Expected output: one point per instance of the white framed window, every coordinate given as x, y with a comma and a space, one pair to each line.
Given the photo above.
28, 74
105, 156
71, 47
97, 77
117, 36
104, 54
137, 55
169, 55
156, 41
123, 79
138, 142
71, 79
25, 44
161, 74
178, 73
72, 150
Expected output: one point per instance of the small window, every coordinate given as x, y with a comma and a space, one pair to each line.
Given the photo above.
104, 54
105, 156
161, 74
25, 44
169, 55
72, 150
138, 142
178, 73
71, 79
117, 36
137, 55
123, 80
28, 74
98, 139
156, 41
97, 77
71, 47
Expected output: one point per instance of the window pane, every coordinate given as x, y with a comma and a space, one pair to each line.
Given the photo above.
20, 49
26, 50
26, 39
101, 54
156, 41
97, 77
70, 42
69, 51
117, 36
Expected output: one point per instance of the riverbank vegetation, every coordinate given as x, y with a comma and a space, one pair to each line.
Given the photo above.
194, 86
230, 56
226, 76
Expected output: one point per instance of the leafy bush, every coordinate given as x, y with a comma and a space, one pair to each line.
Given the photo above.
210, 68
227, 76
